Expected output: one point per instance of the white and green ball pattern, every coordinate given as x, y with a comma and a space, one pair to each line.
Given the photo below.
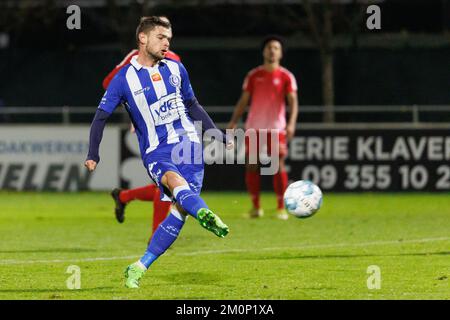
303, 198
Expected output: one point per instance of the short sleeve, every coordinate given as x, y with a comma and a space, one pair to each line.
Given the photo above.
113, 95
291, 83
186, 88
248, 83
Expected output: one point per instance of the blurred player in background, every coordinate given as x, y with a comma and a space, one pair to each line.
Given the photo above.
147, 193
267, 87
162, 106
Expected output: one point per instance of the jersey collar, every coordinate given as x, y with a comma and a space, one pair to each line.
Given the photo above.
138, 66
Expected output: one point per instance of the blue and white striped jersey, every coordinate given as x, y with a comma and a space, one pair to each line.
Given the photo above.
155, 98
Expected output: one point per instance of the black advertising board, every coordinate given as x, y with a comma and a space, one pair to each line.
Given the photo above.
385, 160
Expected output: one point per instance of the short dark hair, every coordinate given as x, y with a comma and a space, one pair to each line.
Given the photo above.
147, 24
273, 37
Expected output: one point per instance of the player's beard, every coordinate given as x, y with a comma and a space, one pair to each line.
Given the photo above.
154, 55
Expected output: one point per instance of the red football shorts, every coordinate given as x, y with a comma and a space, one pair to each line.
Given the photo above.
265, 141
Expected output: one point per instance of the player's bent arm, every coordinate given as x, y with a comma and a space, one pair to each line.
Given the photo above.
109, 102
240, 108
292, 101
195, 110
198, 113
96, 135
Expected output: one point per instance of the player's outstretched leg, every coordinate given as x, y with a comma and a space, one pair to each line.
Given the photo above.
160, 209
162, 239
196, 207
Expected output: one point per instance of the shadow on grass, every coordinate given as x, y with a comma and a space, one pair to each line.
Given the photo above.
50, 250
345, 256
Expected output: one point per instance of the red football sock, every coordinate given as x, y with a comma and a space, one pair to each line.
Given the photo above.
253, 182
142, 193
280, 182
160, 209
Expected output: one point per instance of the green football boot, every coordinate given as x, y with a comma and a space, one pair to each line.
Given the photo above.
132, 276
212, 222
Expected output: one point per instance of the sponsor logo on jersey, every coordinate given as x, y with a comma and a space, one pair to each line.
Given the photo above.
141, 91
156, 77
165, 110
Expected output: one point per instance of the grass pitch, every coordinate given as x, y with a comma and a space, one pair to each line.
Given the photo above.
325, 257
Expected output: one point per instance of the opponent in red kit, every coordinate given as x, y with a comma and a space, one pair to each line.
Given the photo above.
147, 193
267, 87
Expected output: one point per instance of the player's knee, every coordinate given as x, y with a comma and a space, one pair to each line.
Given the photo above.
171, 180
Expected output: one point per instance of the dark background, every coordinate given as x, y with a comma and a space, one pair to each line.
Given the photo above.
406, 62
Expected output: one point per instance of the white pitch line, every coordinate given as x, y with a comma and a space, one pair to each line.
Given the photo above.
11, 261
316, 246
206, 252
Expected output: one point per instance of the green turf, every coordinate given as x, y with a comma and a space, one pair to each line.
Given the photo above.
324, 257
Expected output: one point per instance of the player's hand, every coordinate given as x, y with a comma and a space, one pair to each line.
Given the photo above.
230, 145
132, 129
290, 131
90, 165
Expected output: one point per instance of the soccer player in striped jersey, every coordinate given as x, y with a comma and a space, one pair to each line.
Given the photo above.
162, 106
267, 87
146, 193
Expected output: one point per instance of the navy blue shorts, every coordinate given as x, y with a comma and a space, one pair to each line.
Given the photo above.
184, 158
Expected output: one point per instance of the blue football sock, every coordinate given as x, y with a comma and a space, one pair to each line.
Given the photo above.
164, 236
188, 200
